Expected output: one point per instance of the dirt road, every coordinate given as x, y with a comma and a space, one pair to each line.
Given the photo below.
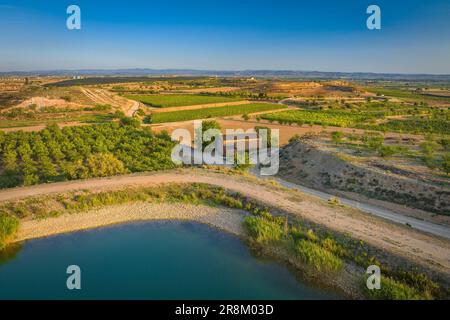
423, 248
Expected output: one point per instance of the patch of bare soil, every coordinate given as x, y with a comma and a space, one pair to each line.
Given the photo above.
41, 102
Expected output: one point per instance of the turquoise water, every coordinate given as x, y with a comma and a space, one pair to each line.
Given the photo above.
151, 260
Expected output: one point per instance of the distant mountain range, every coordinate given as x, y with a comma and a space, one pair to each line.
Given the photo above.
243, 73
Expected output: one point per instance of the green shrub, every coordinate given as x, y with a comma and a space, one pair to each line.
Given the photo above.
103, 165
316, 256
262, 230
8, 227
335, 248
337, 137
445, 164
394, 290
387, 151
129, 121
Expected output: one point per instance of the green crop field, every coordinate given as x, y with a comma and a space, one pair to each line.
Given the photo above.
436, 122
418, 126
407, 94
185, 115
329, 118
178, 100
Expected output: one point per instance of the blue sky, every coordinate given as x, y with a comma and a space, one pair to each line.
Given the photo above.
321, 35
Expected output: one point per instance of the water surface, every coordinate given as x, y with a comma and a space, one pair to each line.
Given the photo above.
150, 260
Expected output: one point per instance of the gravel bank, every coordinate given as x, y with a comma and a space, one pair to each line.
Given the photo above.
226, 219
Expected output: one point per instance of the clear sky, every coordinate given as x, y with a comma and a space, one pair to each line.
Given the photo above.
323, 35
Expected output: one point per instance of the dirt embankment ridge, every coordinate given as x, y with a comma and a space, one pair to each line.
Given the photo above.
307, 163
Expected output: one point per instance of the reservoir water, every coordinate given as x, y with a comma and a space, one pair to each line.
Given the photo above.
148, 260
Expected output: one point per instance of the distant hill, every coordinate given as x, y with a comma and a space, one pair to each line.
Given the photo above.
244, 73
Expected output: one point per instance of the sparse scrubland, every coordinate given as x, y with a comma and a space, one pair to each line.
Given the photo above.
365, 164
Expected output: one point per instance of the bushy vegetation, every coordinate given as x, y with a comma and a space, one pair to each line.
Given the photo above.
407, 94
56, 118
395, 290
8, 227
433, 152
208, 125
304, 245
177, 100
418, 119
438, 126
185, 115
317, 256
329, 118
56, 154
263, 230
322, 251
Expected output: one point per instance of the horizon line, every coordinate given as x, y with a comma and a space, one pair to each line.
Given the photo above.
49, 71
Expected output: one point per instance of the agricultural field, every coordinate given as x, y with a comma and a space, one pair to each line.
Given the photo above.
178, 100
185, 115
55, 154
427, 92
415, 125
326, 118
381, 116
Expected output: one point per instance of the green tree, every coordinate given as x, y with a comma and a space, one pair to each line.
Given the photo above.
102, 165
148, 119
445, 143
337, 137
445, 164
129, 121
207, 125
269, 134
9, 160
